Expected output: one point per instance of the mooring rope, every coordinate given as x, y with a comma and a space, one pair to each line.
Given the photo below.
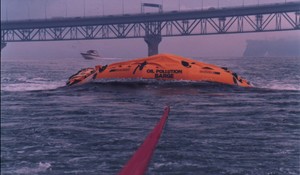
139, 162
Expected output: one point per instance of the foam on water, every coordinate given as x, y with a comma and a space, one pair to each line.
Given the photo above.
41, 167
277, 85
294, 87
32, 85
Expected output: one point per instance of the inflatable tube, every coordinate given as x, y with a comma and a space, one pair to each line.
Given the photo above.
82, 76
161, 67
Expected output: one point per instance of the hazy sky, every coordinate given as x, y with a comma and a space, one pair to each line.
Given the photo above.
213, 45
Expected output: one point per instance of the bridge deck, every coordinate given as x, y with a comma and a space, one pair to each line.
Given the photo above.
152, 17
153, 26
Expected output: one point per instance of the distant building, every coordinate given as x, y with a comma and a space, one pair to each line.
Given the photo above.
272, 48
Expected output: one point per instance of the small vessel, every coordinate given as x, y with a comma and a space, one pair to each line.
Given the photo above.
166, 67
90, 54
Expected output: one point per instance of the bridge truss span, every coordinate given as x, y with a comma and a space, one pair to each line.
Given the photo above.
152, 27
201, 26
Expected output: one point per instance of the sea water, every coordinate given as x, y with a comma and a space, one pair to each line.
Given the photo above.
48, 128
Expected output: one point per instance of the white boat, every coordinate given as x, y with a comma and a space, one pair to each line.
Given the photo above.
90, 54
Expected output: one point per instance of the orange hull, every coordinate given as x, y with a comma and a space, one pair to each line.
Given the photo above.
166, 67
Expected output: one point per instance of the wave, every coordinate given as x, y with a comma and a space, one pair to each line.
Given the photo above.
32, 85
279, 85
107, 58
167, 83
36, 84
41, 167
288, 87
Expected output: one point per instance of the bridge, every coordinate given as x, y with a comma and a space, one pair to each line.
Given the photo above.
152, 27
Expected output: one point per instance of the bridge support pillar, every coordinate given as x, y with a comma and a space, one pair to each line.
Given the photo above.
259, 22
297, 20
3, 45
152, 42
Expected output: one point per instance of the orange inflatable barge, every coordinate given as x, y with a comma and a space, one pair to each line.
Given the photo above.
160, 67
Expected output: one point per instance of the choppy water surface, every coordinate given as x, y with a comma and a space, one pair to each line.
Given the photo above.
47, 128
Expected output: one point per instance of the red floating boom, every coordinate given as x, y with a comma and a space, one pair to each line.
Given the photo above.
138, 163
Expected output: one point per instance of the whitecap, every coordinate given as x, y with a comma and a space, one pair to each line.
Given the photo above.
41, 167
31, 86
277, 86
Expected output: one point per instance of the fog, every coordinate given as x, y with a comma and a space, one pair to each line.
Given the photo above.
230, 45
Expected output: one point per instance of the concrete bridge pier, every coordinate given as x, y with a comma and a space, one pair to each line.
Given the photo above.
3, 45
152, 42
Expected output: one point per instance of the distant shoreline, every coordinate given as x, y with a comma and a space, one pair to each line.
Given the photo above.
272, 48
